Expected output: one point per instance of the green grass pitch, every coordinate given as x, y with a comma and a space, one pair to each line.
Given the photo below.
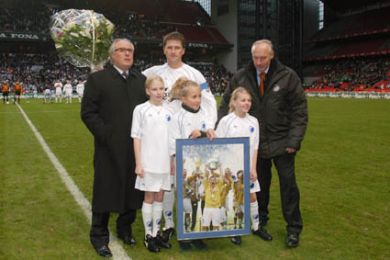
343, 173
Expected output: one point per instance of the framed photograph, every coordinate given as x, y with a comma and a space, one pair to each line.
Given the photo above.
212, 180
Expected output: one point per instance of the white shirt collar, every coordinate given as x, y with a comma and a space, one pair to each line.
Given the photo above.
119, 70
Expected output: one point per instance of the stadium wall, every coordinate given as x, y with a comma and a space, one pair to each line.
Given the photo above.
227, 25
310, 18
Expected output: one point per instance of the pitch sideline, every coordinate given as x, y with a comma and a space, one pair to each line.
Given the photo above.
117, 250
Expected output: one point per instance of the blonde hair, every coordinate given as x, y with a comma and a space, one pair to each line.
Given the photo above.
236, 92
181, 86
151, 79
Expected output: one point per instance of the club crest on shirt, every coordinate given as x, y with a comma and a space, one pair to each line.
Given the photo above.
251, 129
168, 118
276, 88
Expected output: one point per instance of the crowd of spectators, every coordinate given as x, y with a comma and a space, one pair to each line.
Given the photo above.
25, 20
37, 71
40, 71
134, 26
357, 74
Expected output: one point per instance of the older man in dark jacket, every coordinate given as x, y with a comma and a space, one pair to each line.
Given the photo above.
279, 103
107, 108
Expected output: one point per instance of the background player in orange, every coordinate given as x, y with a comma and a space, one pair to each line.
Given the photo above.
5, 92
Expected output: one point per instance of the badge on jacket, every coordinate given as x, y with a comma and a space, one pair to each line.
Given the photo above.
276, 88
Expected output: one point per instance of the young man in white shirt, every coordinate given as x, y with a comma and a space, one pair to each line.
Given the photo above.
173, 69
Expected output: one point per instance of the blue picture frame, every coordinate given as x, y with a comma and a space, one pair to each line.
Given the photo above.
201, 162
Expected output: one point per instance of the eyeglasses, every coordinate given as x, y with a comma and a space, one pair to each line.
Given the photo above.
123, 50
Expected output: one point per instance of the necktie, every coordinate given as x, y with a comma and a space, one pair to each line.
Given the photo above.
125, 74
262, 80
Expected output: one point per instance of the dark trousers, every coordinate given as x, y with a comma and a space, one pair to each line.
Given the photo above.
289, 193
194, 205
99, 233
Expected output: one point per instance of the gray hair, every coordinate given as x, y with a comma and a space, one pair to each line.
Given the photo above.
111, 50
263, 41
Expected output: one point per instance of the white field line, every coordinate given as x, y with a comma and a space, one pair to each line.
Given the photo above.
116, 248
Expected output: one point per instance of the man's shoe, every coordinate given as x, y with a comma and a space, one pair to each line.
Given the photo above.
150, 244
161, 243
184, 245
167, 234
292, 240
104, 251
127, 239
263, 234
199, 244
236, 240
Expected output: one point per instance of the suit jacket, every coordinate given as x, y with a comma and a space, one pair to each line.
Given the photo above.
281, 112
107, 110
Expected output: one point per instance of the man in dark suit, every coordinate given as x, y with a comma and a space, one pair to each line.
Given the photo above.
279, 103
107, 108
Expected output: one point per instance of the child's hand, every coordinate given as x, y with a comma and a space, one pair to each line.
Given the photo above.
195, 134
139, 170
253, 175
210, 134
173, 166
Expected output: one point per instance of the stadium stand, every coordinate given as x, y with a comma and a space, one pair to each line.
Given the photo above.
36, 64
350, 54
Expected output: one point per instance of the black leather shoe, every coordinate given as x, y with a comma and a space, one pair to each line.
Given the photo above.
167, 234
150, 244
236, 240
292, 240
199, 244
161, 243
104, 251
127, 239
185, 245
263, 234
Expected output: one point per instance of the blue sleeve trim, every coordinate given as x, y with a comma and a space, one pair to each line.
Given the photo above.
204, 86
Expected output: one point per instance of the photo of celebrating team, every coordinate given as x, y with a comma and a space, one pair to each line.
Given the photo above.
213, 188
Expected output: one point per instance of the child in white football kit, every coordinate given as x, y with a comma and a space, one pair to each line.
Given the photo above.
238, 123
191, 121
149, 130
174, 68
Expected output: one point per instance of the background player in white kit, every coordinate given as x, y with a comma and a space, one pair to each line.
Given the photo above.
58, 91
68, 89
191, 121
153, 165
170, 72
47, 95
80, 89
238, 123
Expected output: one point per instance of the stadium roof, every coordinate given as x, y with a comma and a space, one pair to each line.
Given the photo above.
344, 6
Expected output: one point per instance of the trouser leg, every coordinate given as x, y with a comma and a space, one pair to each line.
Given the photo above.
289, 192
99, 234
194, 205
264, 177
124, 221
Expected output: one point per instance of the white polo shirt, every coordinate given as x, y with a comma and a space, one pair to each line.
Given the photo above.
184, 122
150, 125
170, 75
232, 125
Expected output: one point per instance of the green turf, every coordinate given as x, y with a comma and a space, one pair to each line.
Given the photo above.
342, 172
